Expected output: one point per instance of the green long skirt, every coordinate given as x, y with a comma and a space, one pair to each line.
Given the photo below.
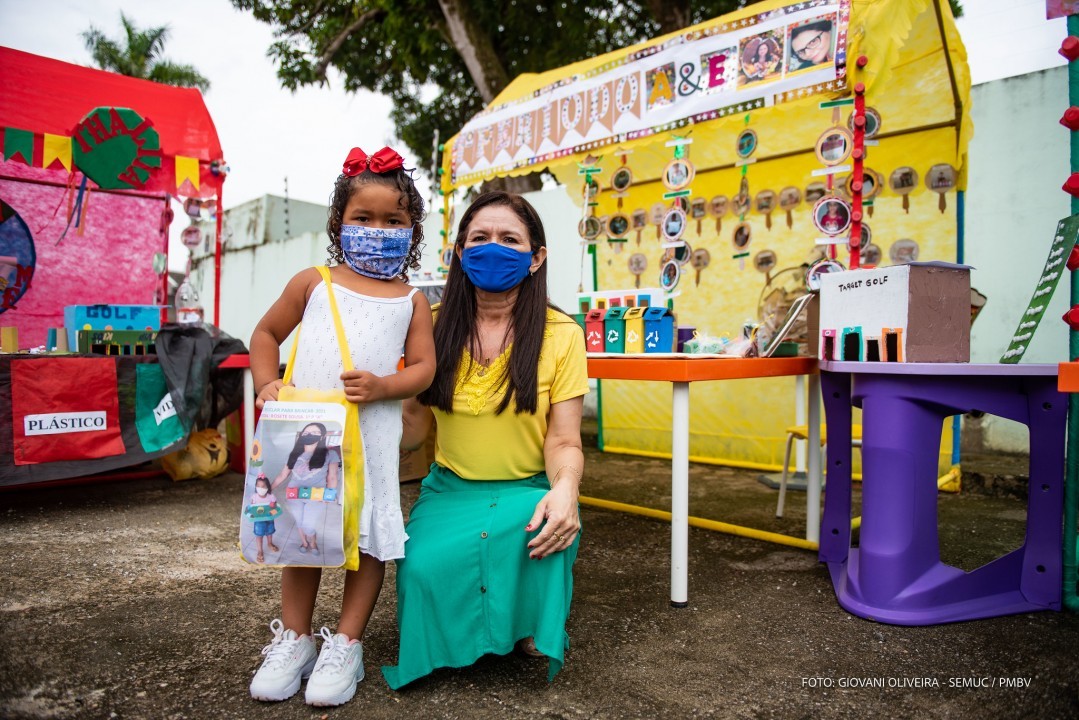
466, 586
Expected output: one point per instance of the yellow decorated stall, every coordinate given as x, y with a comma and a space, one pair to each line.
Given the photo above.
751, 104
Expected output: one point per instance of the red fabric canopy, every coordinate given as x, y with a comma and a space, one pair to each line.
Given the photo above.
42, 95
88, 245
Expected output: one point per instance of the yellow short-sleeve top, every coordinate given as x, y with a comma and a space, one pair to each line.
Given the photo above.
477, 444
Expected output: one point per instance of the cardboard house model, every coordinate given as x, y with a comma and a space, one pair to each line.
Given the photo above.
918, 312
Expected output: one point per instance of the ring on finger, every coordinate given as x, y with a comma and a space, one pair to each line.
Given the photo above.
558, 537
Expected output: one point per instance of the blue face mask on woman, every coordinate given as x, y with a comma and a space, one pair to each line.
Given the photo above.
378, 253
495, 268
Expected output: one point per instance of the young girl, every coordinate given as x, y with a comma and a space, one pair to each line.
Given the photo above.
310, 464
264, 528
375, 234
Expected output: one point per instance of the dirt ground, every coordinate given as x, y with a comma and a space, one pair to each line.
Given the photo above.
129, 600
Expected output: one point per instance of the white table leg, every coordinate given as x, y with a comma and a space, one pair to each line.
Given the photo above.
680, 495
249, 414
813, 474
799, 419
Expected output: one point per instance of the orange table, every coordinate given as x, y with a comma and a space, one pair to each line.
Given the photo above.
1068, 379
680, 372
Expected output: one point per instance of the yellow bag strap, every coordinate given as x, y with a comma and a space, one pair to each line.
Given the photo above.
342, 340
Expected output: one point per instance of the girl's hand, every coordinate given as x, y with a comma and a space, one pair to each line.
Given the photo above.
268, 392
362, 386
559, 508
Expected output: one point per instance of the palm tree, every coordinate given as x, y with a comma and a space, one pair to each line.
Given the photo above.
141, 57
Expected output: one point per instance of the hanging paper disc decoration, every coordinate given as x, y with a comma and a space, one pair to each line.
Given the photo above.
821, 267
590, 189
834, 146
589, 228
621, 179
116, 148
903, 251
718, 207
940, 179
670, 275
902, 181
17, 257
678, 174
699, 261
743, 234
871, 254
831, 215
682, 253
871, 184
789, 198
815, 191
740, 203
657, 213
764, 261
191, 237
698, 209
674, 224
639, 219
617, 226
746, 144
766, 203
865, 239
638, 263
872, 122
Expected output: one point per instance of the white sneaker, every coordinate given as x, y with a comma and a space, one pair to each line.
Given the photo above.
289, 659
339, 668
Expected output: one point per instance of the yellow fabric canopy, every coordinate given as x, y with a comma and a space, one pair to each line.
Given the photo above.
916, 77
917, 81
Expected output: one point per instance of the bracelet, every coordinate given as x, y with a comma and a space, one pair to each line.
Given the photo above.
575, 471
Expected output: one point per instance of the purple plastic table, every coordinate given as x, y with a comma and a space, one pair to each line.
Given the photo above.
895, 575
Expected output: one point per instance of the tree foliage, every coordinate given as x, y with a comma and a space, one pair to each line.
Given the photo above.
441, 61
403, 48
139, 54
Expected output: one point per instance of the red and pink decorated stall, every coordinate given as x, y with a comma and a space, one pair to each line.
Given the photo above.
90, 160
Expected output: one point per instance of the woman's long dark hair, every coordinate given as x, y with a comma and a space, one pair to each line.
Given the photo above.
318, 457
456, 327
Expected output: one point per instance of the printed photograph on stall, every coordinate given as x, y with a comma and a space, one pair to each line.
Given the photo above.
811, 44
831, 215
761, 58
292, 502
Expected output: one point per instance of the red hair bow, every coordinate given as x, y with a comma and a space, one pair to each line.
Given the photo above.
381, 162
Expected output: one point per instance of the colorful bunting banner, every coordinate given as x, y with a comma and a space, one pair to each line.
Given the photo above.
95, 152
55, 147
187, 168
19, 144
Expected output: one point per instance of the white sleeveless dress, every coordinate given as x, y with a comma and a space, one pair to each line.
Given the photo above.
376, 329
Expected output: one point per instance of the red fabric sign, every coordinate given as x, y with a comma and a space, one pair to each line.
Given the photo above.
64, 409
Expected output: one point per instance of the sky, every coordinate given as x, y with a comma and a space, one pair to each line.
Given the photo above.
269, 134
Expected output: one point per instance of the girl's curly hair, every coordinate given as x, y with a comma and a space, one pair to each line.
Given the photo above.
410, 201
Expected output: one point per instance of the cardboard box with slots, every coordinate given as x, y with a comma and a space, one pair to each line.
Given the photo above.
918, 312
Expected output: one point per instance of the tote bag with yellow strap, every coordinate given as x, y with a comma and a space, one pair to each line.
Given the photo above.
304, 486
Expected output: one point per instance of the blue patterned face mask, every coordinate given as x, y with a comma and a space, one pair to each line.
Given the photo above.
378, 253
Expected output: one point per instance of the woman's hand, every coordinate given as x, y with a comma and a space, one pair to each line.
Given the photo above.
559, 509
281, 477
362, 386
269, 391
